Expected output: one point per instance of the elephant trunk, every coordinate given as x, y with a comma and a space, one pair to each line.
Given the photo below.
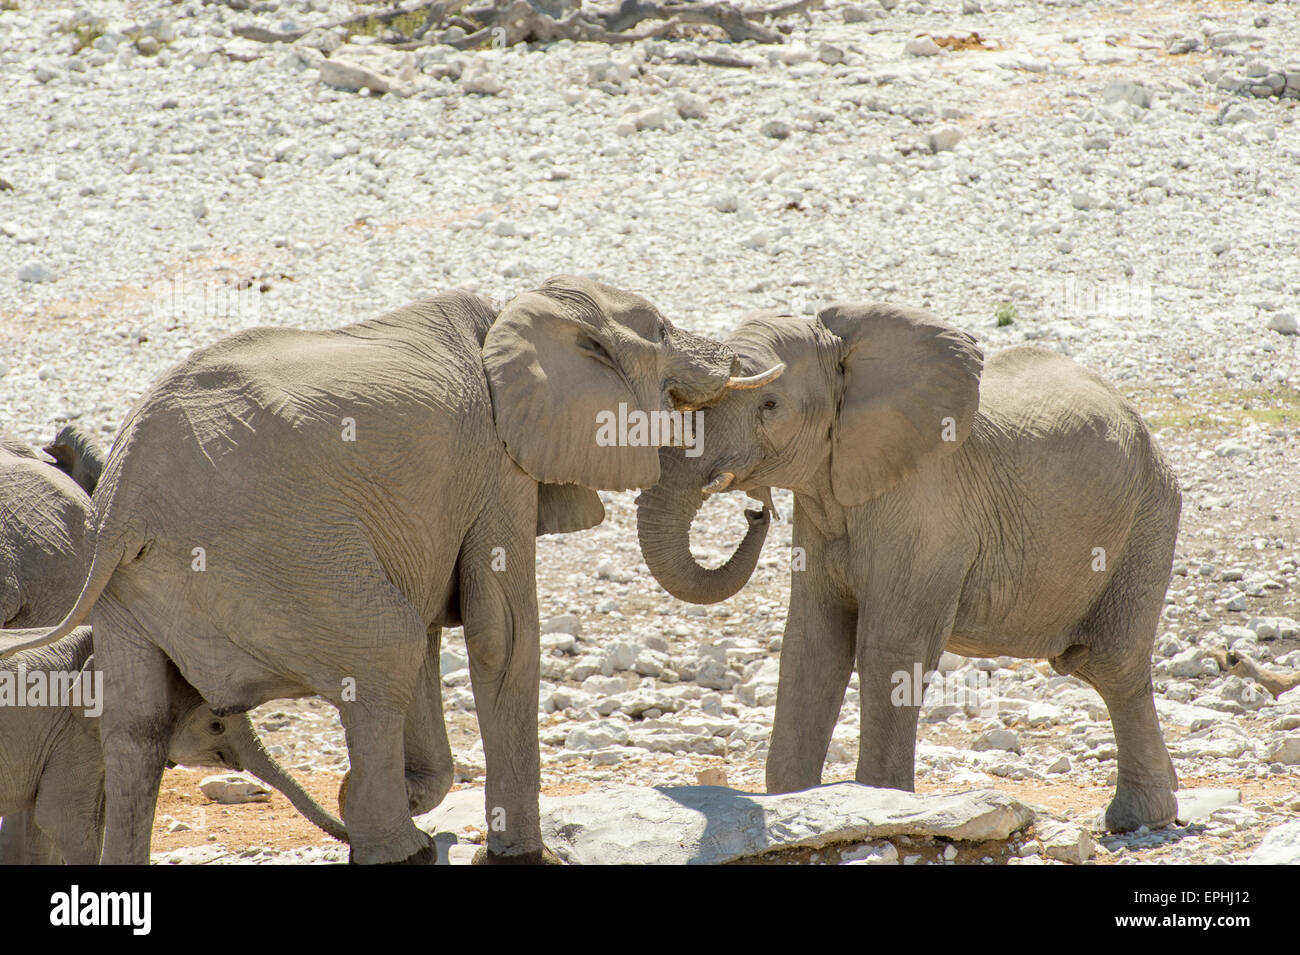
663, 524
254, 758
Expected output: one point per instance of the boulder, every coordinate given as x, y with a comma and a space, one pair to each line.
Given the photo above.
708, 825
379, 70
234, 788
1281, 846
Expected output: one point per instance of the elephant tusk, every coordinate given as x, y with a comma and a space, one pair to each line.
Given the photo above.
757, 381
719, 483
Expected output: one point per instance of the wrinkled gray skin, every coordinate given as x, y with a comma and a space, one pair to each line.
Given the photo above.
46, 543
442, 438
46, 535
52, 772
983, 544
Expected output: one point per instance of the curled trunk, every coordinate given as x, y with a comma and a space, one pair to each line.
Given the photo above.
663, 524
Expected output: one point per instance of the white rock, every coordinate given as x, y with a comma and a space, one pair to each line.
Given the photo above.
703, 825
569, 623
873, 853
690, 106
1064, 840
921, 46
476, 78
597, 734
234, 788
997, 739
1285, 323
35, 271
1281, 846
1196, 804
1127, 91
1285, 750
944, 138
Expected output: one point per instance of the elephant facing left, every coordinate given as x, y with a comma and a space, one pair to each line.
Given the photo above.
288, 513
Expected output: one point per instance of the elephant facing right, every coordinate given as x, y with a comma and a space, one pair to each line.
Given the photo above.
1014, 507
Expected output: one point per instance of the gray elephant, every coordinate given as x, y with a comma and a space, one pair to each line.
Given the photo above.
46, 536
1016, 507
52, 783
46, 543
290, 512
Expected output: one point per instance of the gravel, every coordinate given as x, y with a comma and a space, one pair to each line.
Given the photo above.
1119, 186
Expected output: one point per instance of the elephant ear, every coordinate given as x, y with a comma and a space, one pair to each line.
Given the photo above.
558, 376
910, 390
565, 508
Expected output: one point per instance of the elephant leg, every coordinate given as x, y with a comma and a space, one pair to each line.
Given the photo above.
1118, 637
429, 765
499, 607
816, 664
430, 768
377, 807
377, 811
134, 729
23, 843
898, 638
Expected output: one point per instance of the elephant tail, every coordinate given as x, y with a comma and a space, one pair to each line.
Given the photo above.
111, 551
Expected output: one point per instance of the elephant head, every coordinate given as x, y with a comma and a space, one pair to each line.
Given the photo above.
847, 405
77, 455
202, 738
561, 359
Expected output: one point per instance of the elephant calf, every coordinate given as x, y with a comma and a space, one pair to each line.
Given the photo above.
52, 769
49, 755
1016, 507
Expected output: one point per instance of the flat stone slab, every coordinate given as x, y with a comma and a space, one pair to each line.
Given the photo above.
709, 825
1196, 804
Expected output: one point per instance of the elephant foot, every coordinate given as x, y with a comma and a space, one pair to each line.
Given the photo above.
1134, 807
544, 857
426, 856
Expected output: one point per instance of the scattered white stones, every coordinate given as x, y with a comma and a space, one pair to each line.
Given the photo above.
477, 78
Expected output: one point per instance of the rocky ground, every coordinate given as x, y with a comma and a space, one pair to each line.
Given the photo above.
1116, 181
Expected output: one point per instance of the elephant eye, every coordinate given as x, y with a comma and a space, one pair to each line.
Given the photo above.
215, 726
597, 351
769, 404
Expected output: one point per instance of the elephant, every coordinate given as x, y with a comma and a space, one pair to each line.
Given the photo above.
47, 539
1017, 507
294, 512
52, 784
